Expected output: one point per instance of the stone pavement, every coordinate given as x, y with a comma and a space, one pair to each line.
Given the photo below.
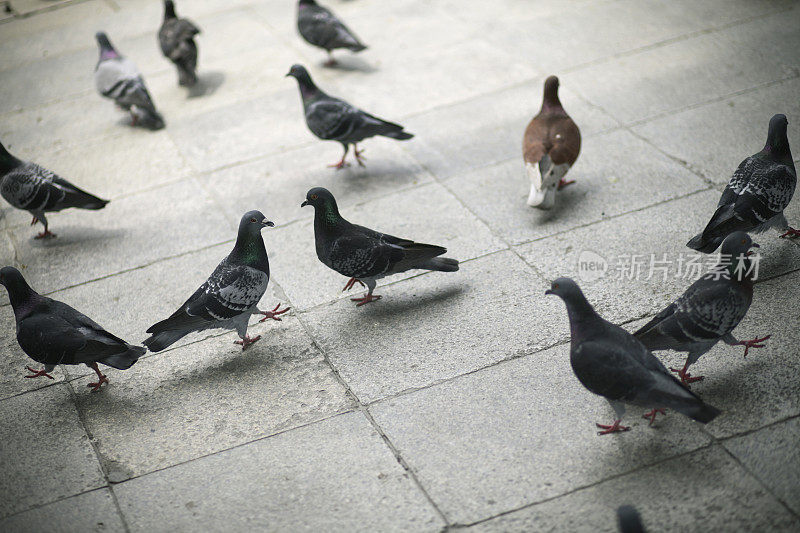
450, 403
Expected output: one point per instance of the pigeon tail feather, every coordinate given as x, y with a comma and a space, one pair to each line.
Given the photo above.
440, 264
701, 244
164, 339
400, 135
125, 360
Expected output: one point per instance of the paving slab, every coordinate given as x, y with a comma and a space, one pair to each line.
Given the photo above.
52, 456
222, 396
483, 130
620, 289
771, 455
694, 494
91, 511
430, 214
416, 335
615, 173
178, 218
335, 475
679, 74
716, 137
55, 20
531, 436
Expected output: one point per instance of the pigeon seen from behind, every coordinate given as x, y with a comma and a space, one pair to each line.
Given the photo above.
612, 363
332, 119
176, 38
320, 28
709, 310
758, 192
35, 189
227, 298
116, 77
550, 146
364, 255
53, 333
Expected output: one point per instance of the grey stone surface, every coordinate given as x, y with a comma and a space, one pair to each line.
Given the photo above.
616, 173
335, 472
46, 452
692, 492
93, 511
773, 457
428, 214
530, 435
202, 398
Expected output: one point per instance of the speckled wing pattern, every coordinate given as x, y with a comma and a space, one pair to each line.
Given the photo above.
759, 189
231, 290
120, 80
32, 188
333, 119
320, 27
175, 38
363, 254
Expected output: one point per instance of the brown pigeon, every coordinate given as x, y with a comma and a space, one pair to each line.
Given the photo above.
551, 145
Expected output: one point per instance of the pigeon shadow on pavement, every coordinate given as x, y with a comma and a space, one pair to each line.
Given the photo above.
349, 64
207, 84
392, 306
567, 201
70, 235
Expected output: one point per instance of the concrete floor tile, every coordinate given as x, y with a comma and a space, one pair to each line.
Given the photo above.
52, 456
429, 214
416, 334
93, 511
693, 494
221, 395
520, 432
615, 173
333, 475
772, 455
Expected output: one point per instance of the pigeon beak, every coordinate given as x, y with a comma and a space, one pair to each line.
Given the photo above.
288, 74
268, 223
548, 291
305, 203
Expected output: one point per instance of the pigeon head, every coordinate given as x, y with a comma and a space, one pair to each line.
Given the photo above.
737, 243
253, 222
319, 197
566, 289
629, 520
550, 98
106, 48
304, 81
777, 141
18, 288
7, 161
169, 9
306, 3
736, 248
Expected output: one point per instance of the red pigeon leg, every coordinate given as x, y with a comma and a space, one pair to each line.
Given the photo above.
651, 415
686, 377
791, 233
563, 183
38, 373
351, 283
367, 298
34, 221
100, 377
341, 164
247, 341
331, 62
359, 157
752, 343
616, 427
273, 314
46, 234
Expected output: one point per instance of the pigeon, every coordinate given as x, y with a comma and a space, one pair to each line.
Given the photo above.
614, 364
26, 185
116, 77
176, 38
332, 119
550, 147
53, 333
629, 520
364, 255
709, 310
227, 298
320, 28
757, 193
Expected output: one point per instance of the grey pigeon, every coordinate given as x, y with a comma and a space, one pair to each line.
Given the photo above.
320, 28
53, 333
364, 255
629, 520
550, 147
332, 119
227, 298
116, 77
612, 363
758, 192
176, 38
35, 189
709, 310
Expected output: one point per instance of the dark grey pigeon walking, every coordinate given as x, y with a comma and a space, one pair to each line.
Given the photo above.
35, 189
364, 255
709, 310
53, 333
320, 28
612, 363
116, 77
332, 119
227, 298
176, 38
758, 192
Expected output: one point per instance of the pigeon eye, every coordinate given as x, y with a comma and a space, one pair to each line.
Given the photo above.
313, 196
253, 220
555, 285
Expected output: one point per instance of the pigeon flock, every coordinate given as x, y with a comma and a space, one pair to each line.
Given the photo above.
606, 359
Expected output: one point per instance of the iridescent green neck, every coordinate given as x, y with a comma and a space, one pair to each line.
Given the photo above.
330, 214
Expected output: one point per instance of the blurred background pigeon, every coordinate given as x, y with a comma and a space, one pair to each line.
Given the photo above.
116, 77
35, 189
53, 333
176, 38
320, 28
629, 520
365, 255
332, 119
